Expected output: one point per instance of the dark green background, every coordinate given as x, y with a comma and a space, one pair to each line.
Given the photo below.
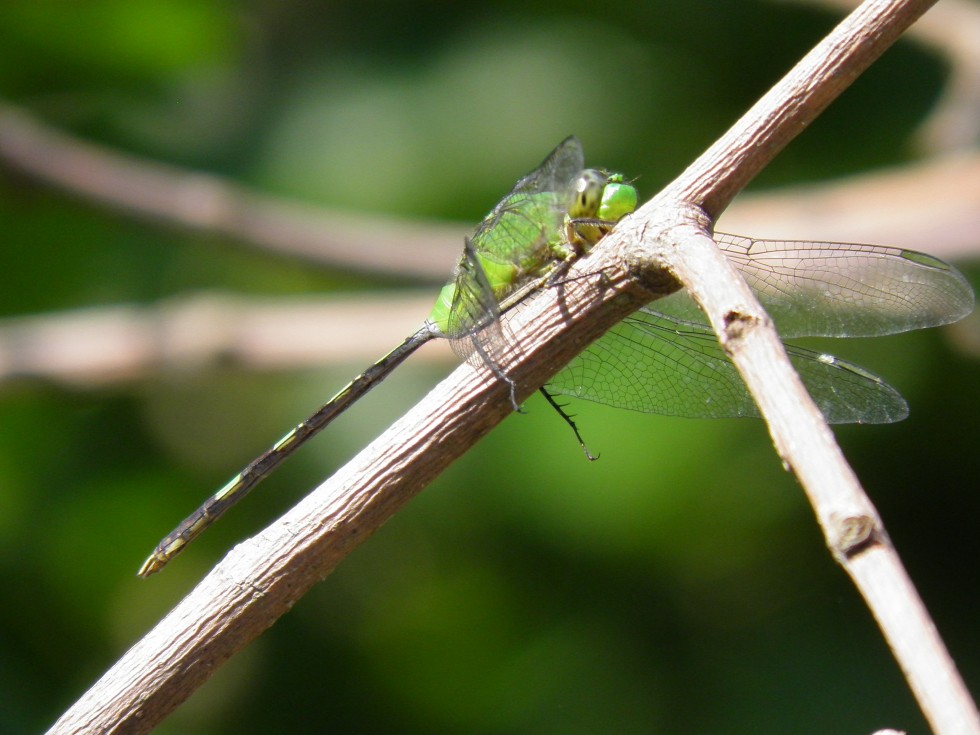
678, 585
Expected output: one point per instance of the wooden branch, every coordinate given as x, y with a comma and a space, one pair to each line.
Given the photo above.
264, 576
852, 529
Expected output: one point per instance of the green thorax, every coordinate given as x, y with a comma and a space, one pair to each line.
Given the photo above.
526, 234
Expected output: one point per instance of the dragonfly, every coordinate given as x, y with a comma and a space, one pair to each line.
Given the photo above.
664, 358
550, 216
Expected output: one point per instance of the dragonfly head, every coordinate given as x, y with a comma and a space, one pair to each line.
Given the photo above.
601, 196
599, 201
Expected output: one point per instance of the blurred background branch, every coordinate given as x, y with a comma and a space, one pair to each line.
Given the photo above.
213, 205
903, 207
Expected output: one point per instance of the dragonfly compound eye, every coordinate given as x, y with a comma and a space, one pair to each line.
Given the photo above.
588, 193
618, 200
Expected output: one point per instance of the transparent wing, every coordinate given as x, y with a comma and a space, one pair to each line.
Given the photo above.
474, 318
506, 246
826, 289
653, 364
533, 211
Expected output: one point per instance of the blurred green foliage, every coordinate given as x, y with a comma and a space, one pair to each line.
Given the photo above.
678, 585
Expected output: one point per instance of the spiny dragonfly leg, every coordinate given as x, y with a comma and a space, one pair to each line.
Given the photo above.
581, 233
560, 408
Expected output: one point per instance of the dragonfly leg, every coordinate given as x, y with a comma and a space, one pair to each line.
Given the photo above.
581, 233
560, 408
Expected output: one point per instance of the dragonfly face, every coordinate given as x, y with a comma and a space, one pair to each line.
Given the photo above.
601, 199
603, 196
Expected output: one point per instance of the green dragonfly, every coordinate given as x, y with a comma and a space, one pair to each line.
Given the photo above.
550, 215
664, 358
